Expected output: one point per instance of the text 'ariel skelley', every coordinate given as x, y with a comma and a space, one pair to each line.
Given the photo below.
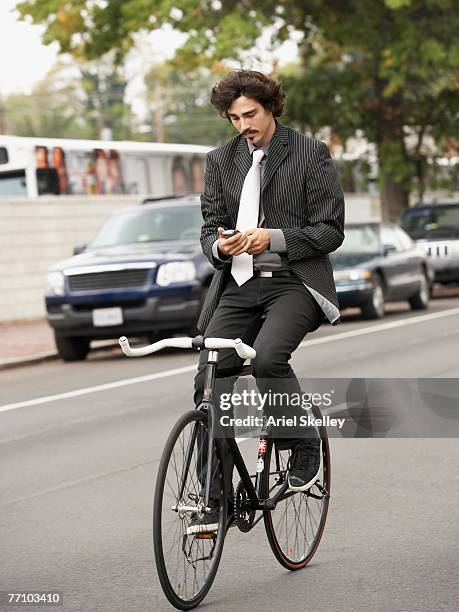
303, 421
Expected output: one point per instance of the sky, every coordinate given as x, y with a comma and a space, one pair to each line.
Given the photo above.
31, 59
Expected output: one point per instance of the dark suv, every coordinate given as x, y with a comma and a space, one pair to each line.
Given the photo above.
143, 274
435, 228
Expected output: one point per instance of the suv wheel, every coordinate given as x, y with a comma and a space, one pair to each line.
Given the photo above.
420, 300
374, 307
72, 349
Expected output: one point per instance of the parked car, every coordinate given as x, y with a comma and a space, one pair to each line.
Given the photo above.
379, 263
435, 228
143, 274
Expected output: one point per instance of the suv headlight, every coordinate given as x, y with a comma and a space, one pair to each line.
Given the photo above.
55, 283
175, 272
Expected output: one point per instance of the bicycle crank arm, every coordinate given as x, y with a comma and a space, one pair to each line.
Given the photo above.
270, 504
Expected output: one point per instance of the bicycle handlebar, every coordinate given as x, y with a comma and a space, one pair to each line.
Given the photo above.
243, 350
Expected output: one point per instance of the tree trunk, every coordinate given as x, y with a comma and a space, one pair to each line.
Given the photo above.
394, 200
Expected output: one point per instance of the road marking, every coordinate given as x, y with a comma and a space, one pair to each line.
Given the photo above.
381, 327
306, 343
96, 388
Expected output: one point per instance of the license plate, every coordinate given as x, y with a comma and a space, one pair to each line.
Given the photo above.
105, 317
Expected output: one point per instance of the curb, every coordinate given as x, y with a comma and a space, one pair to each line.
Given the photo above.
17, 362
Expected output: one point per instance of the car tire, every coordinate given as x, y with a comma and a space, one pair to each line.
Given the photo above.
374, 307
72, 349
420, 300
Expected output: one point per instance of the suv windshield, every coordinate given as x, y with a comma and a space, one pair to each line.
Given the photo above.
150, 225
360, 239
437, 221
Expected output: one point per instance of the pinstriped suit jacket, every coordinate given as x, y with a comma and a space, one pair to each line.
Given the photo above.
301, 195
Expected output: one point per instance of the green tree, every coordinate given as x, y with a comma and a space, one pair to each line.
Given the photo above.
385, 66
72, 101
179, 107
395, 76
53, 109
104, 91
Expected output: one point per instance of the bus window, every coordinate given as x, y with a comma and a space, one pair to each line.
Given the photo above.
61, 168
47, 181
197, 174
137, 170
3, 155
81, 173
180, 177
13, 183
115, 177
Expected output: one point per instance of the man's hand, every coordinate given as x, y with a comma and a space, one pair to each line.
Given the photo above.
258, 240
232, 246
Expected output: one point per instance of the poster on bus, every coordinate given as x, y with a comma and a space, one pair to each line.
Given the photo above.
187, 175
83, 172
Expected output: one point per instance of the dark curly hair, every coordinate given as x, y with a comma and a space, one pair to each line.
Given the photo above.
251, 84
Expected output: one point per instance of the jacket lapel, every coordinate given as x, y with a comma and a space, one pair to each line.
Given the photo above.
242, 158
278, 151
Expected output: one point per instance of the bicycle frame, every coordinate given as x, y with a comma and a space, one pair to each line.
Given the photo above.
207, 405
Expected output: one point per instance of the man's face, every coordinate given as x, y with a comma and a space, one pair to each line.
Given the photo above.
252, 120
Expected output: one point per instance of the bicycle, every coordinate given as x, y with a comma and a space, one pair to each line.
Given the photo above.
294, 521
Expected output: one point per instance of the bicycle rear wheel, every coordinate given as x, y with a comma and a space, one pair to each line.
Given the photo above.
186, 564
294, 528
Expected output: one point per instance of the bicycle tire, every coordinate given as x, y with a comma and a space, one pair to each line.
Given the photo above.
283, 550
174, 586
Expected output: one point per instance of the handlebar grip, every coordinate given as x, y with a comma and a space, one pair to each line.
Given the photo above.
244, 350
136, 352
124, 343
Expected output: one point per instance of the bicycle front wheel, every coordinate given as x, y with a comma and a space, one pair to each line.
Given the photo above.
187, 563
294, 528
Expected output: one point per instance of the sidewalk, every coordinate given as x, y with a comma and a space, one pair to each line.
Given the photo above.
26, 342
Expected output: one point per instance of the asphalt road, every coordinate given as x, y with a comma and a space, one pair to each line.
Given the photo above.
80, 445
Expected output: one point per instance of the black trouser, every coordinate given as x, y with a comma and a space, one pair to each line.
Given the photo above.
290, 313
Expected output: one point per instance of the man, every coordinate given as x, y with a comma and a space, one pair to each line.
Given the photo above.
273, 282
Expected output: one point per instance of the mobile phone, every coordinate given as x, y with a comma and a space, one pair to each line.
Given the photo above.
230, 232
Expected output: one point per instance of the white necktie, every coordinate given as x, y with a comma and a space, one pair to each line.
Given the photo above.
247, 218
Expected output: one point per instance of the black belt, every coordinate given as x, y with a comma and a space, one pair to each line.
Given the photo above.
263, 273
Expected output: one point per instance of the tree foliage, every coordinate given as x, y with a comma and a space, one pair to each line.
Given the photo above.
72, 101
180, 101
385, 66
389, 68
54, 108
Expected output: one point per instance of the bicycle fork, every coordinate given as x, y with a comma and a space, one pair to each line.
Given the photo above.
206, 406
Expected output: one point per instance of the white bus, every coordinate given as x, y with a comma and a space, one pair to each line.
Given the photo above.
37, 166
